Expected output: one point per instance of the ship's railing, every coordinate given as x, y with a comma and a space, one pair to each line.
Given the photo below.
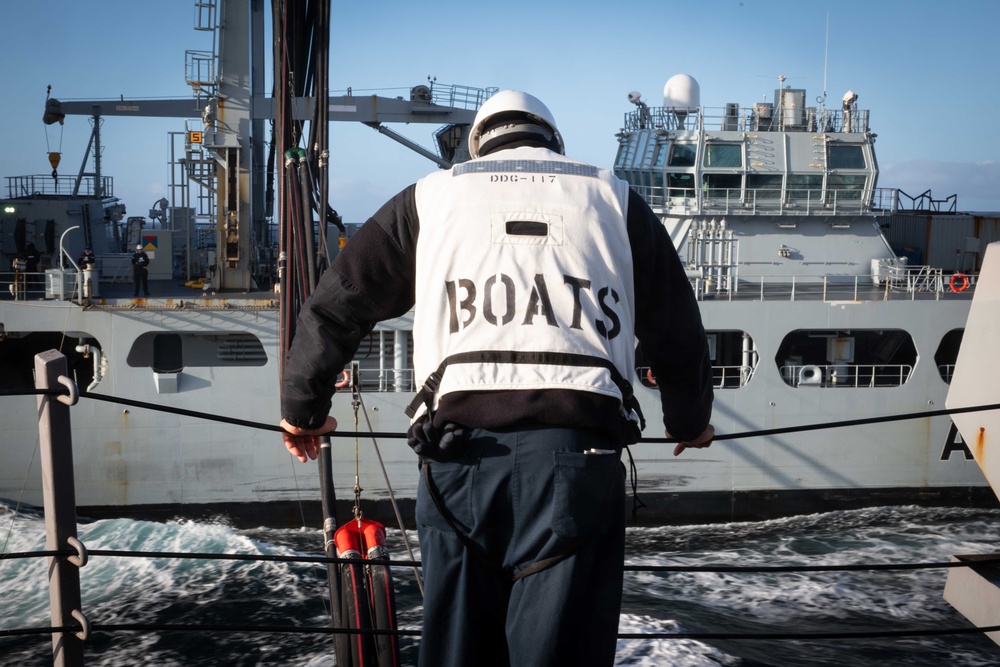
912, 279
853, 376
731, 377
66, 284
745, 201
759, 118
63, 186
925, 201
387, 379
723, 377
886, 200
49, 284
900, 283
461, 97
23, 286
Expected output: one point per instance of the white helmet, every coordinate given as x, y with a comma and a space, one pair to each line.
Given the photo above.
507, 101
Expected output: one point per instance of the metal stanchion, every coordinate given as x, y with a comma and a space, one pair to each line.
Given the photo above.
59, 498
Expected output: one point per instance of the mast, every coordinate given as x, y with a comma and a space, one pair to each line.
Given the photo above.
230, 101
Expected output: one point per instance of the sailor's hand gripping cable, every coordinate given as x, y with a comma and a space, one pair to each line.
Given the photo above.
702, 441
303, 443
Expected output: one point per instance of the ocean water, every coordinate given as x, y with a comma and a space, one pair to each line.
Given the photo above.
129, 590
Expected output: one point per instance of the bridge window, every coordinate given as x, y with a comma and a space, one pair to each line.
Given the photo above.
766, 186
660, 156
680, 185
845, 157
846, 186
682, 155
724, 155
723, 186
805, 187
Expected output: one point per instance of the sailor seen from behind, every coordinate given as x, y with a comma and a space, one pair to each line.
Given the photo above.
531, 276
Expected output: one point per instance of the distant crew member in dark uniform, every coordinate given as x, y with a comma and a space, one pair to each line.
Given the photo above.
531, 276
20, 268
87, 257
88, 266
34, 282
140, 271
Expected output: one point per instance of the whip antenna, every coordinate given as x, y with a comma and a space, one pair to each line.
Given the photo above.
826, 55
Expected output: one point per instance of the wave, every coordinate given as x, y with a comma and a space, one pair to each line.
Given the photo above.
178, 591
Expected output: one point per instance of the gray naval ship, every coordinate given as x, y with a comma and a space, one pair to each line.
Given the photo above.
825, 299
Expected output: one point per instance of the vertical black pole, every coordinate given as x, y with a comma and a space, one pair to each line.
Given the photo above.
59, 499
328, 499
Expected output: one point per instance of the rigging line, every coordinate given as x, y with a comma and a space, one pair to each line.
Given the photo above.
20, 496
392, 499
298, 491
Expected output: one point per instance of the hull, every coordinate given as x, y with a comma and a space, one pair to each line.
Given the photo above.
913, 461
137, 460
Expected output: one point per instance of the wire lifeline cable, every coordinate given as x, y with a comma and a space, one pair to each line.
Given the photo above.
169, 627
629, 568
353, 434
292, 629
663, 635
659, 635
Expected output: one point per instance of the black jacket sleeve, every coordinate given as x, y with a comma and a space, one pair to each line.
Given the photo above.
668, 324
372, 279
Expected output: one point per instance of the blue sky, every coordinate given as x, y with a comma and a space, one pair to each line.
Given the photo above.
929, 72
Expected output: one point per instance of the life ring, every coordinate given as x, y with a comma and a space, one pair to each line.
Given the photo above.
343, 380
649, 377
959, 282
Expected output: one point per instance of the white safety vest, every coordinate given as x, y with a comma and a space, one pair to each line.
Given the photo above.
523, 276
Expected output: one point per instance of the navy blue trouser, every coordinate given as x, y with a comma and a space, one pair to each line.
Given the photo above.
523, 496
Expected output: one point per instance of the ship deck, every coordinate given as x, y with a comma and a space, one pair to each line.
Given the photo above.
864, 289
175, 294
163, 294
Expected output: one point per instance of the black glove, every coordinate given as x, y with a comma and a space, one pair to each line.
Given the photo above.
437, 444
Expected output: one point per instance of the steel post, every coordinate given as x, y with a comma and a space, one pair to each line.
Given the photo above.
59, 499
